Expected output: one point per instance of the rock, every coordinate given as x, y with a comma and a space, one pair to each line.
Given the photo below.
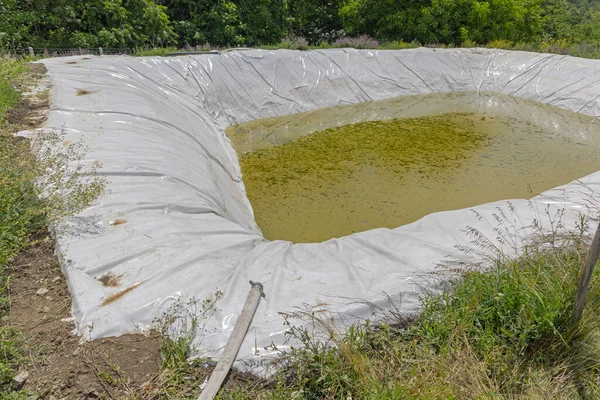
19, 381
46, 309
42, 292
48, 298
92, 394
56, 279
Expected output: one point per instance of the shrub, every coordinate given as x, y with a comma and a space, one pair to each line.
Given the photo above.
501, 44
294, 43
360, 42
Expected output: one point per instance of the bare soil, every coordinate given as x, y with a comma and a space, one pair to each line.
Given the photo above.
59, 365
33, 111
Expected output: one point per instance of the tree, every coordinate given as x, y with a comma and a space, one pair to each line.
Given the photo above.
92, 23
314, 20
263, 21
444, 21
205, 21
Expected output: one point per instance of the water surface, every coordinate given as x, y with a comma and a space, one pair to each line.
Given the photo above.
390, 169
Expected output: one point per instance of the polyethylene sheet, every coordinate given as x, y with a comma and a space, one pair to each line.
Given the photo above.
176, 223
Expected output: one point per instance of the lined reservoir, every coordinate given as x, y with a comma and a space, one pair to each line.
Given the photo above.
333, 172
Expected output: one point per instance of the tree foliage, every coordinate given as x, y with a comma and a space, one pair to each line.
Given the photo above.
444, 21
315, 20
90, 23
139, 23
222, 22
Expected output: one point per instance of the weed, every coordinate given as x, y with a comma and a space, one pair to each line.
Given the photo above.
155, 51
503, 331
555, 46
179, 328
294, 43
361, 42
10, 69
37, 188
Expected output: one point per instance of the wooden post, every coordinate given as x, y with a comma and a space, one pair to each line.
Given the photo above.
100, 51
234, 343
31, 52
586, 277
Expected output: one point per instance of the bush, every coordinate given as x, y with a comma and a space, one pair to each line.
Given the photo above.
360, 42
294, 43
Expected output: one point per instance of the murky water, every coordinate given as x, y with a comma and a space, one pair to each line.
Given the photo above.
389, 169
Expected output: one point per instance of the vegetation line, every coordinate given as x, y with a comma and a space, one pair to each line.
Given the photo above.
47, 26
35, 188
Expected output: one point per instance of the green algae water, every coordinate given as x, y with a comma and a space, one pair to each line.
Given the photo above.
384, 173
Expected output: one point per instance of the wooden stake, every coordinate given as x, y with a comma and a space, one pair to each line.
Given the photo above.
235, 341
586, 277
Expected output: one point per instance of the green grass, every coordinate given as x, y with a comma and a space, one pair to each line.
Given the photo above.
10, 70
35, 190
503, 334
159, 51
553, 46
17, 221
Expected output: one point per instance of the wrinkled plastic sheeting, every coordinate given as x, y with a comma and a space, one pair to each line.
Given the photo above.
184, 225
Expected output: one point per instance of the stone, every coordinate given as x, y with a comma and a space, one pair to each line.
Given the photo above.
19, 381
42, 292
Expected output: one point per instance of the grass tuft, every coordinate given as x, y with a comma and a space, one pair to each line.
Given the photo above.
500, 334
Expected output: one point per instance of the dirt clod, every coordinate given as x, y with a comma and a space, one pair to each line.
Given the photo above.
111, 280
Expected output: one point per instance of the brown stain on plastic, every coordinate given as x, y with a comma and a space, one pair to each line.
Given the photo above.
71, 62
114, 297
119, 221
82, 92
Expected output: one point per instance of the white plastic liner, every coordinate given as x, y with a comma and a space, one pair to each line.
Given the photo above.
157, 127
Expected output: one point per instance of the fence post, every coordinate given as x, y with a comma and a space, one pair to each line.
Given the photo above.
586, 277
31, 52
100, 51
